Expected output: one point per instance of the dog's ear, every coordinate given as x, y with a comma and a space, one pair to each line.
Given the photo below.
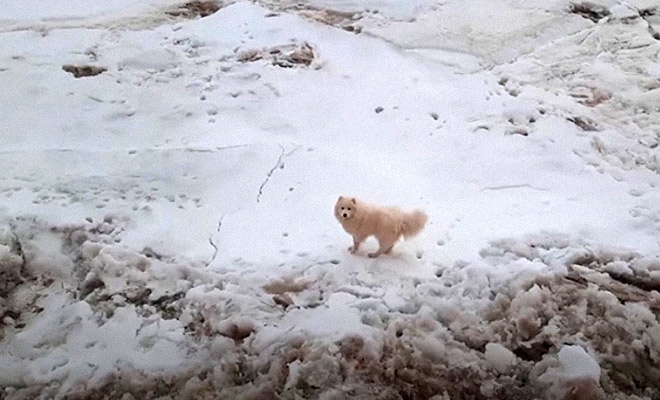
353, 200
339, 199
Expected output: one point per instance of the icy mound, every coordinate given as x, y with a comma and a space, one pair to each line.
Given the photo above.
126, 322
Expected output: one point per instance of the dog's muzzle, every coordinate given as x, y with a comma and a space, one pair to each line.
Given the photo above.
345, 215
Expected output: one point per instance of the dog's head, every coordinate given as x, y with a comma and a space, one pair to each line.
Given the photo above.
345, 208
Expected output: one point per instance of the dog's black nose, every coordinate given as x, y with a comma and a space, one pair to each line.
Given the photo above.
345, 215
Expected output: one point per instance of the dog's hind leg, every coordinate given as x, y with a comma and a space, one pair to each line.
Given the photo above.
383, 247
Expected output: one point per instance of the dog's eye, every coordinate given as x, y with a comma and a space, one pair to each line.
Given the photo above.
342, 208
349, 209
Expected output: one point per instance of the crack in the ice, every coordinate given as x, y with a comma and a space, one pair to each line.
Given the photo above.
217, 148
130, 151
272, 170
212, 243
522, 185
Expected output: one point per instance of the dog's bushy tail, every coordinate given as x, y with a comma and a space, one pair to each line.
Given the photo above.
413, 223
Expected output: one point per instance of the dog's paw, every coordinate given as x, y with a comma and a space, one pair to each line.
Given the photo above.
373, 255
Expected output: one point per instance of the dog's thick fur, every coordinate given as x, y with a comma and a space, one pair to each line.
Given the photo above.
387, 224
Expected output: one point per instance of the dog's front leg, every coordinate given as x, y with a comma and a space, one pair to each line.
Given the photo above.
357, 241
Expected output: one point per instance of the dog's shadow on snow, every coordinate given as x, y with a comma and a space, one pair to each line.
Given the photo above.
398, 262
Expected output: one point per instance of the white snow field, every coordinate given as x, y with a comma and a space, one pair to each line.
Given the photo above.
168, 175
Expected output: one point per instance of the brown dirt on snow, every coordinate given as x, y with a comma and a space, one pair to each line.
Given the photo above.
195, 9
80, 71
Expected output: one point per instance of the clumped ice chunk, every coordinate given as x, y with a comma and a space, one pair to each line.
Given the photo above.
576, 375
499, 357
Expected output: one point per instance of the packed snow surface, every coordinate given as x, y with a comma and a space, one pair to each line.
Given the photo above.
168, 175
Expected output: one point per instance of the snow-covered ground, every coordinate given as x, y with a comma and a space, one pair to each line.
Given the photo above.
166, 225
